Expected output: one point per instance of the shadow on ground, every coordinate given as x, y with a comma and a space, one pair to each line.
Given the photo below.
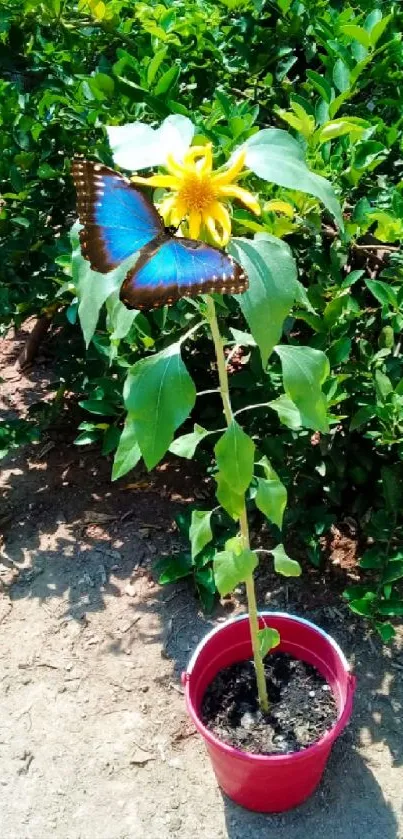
72, 540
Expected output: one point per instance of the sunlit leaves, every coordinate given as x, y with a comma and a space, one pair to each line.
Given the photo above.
231, 568
272, 154
93, 288
159, 394
272, 275
128, 451
234, 453
200, 532
283, 564
304, 371
271, 496
268, 638
186, 444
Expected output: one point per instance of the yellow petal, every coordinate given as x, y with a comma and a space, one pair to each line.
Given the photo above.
165, 208
174, 168
194, 224
242, 195
178, 212
200, 158
167, 181
230, 174
219, 213
214, 232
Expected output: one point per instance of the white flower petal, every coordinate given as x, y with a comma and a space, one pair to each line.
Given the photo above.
138, 146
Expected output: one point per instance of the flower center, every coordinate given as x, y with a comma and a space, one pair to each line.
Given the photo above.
197, 192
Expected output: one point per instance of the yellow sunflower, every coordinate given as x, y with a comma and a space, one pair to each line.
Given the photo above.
198, 193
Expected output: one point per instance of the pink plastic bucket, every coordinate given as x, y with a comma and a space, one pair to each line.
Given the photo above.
269, 783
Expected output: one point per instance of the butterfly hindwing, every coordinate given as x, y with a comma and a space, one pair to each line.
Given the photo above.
169, 268
117, 218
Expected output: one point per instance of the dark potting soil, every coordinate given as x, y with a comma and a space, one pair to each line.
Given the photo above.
302, 706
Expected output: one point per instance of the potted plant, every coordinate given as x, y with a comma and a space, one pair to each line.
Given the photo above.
121, 226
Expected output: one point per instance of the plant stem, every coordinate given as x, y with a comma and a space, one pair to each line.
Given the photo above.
219, 351
243, 519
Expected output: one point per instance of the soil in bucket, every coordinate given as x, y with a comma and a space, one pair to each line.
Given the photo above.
302, 706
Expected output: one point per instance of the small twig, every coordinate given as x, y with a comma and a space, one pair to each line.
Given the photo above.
231, 354
205, 392
176, 687
136, 620
127, 515
378, 247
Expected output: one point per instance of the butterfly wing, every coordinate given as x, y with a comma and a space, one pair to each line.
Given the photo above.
117, 218
169, 268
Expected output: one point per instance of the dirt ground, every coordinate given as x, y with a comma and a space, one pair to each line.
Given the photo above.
94, 738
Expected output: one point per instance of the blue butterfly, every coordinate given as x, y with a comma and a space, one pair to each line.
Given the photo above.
118, 220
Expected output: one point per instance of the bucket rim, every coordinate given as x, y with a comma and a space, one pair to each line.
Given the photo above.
265, 614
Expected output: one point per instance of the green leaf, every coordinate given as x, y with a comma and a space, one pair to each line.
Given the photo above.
283, 564
272, 274
386, 631
362, 416
341, 76
206, 587
200, 532
159, 394
271, 498
185, 446
363, 606
120, 319
378, 29
111, 439
358, 592
275, 156
392, 489
98, 406
128, 452
383, 293
383, 386
288, 413
352, 278
320, 84
268, 638
372, 19
357, 32
366, 152
393, 572
372, 558
155, 64
393, 608
230, 500
341, 127
93, 288
234, 452
304, 371
230, 569
339, 351
167, 81
244, 339
173, 568
87, 437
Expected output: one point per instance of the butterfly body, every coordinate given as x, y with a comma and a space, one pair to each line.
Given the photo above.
118, 221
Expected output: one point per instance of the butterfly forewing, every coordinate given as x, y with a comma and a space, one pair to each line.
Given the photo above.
169, 268
117, 218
